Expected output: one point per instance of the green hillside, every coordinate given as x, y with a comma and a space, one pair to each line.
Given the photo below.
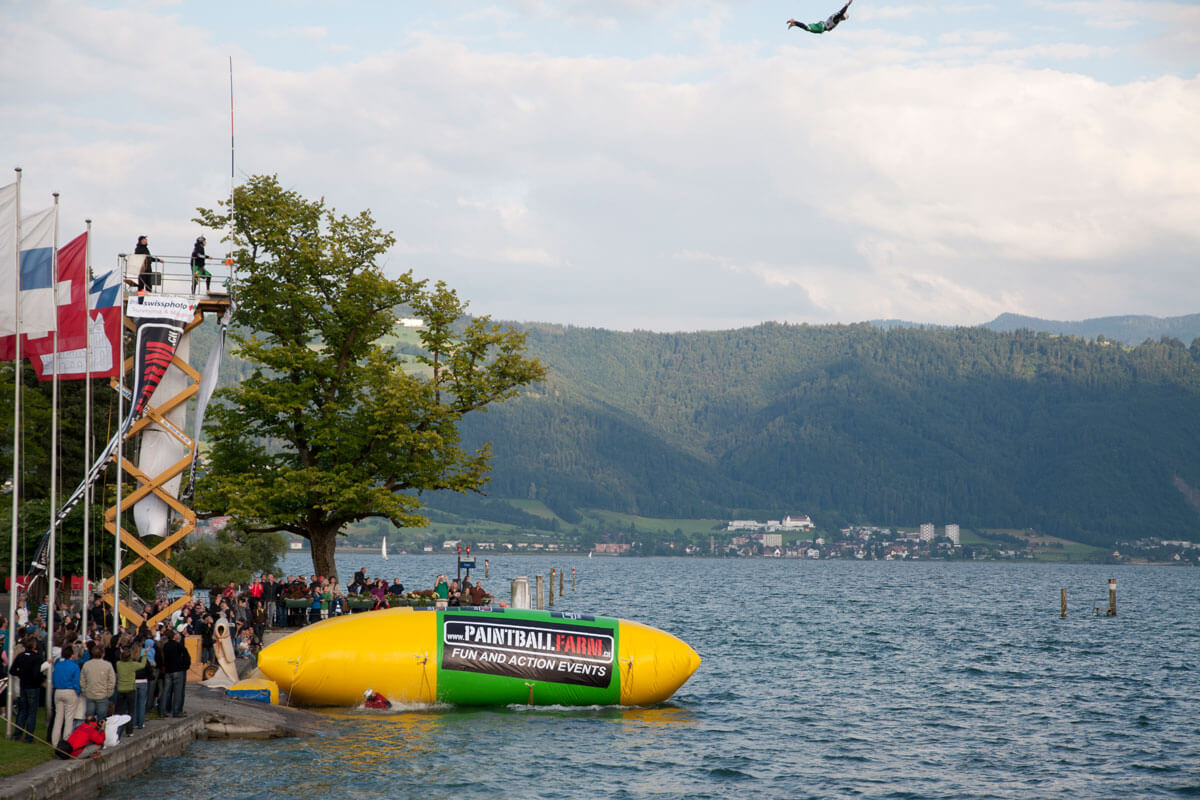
1089, 441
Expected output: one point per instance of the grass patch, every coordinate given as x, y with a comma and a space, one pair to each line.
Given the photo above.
534, 507
656, 524
17, 757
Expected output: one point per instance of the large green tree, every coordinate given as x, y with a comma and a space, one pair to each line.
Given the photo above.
332, 426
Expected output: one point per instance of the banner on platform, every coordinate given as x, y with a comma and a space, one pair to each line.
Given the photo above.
181, 309
155, 347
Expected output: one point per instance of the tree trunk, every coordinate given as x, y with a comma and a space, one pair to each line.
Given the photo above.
323, 543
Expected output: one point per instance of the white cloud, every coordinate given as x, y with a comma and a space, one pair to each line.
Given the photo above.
867, 175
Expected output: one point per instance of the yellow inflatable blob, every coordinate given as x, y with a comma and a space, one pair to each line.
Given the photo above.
479, 657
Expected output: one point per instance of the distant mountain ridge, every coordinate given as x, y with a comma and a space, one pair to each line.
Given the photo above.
1130, 329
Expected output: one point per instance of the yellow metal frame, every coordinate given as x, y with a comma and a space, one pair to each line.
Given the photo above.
153, 484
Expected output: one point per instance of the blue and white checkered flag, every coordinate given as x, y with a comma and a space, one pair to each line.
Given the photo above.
105, 291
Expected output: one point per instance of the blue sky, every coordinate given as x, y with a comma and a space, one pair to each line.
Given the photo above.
652, 164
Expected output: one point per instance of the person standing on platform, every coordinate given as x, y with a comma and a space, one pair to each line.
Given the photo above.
147, 276
200, 267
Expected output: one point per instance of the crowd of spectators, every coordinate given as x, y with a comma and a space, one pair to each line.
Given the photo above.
93, 672
137, 671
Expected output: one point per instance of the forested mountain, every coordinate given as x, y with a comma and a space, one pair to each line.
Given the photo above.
1087, 440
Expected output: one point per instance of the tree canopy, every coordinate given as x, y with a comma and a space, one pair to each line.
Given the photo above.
331, 426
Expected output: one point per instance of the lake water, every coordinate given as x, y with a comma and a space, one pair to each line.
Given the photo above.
819, 679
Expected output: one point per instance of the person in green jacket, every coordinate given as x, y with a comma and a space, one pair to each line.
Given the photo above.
127, 670
821, 27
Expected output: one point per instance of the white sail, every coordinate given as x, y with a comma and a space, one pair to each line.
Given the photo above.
383, 549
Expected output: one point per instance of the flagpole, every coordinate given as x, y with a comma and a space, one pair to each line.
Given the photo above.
232, 182
16, 472
120, 466
85, 596
51, 594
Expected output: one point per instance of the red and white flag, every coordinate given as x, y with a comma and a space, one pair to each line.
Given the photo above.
103, 325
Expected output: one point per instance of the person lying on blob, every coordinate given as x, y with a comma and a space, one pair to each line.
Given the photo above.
373, 699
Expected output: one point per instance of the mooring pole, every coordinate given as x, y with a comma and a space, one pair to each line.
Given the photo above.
1064, 603
551, 587
1112, 597
572, 579
539, 591
561, 572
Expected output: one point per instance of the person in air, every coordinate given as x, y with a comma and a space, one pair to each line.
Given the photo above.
821, 27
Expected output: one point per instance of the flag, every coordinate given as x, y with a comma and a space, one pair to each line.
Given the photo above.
71, 298
36, 267
105, 291
103, 330
9, 214
37, 271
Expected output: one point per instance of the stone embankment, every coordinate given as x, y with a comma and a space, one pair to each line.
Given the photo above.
210, 715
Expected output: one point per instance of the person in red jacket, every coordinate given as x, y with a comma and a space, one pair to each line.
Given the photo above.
85, 741
372, 699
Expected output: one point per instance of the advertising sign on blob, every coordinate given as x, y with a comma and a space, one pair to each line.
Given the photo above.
560, 652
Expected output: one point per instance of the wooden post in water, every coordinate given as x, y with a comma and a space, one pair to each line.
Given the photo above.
572, 580
1112, 597
485, 567
551, 593
561, 572
539, 592
1064, 603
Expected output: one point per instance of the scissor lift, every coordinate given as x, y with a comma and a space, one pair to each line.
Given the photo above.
217, 303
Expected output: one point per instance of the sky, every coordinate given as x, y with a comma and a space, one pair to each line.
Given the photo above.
662, 165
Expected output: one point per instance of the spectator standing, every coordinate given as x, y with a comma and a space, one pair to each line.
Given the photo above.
142, 681
270, 590
97, 681
176, 661
65, 680
27, 667
127, 670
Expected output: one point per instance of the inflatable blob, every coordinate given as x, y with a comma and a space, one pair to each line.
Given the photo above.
479, 657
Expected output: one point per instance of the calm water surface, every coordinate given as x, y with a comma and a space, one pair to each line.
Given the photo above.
820, 679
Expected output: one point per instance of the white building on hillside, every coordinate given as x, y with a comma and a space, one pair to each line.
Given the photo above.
928, 531
952, 533
800, 521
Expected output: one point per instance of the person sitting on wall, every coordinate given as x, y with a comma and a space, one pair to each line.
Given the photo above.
84, 742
